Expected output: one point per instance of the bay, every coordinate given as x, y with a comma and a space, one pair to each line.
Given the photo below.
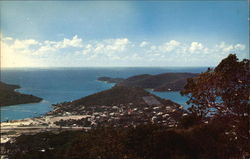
56, 85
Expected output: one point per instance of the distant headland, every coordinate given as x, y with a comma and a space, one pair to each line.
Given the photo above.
160, 82
8, 96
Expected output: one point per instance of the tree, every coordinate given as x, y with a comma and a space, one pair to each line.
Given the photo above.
222, 94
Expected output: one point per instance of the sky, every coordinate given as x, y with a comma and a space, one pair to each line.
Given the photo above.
122, 33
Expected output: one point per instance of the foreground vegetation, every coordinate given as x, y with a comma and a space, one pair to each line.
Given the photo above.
206, 141
8, 95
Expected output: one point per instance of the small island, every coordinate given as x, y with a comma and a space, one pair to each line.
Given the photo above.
160, 82
8, 96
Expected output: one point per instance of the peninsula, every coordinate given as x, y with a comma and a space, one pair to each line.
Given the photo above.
160, 82
120, 107
8, 95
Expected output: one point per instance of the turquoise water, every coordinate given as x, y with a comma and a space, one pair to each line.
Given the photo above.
174, 96
57, 85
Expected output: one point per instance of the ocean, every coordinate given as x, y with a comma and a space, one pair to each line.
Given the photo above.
56, 85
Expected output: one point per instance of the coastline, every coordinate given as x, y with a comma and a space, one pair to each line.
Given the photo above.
15, 128
10, 96
46, 122
85, 84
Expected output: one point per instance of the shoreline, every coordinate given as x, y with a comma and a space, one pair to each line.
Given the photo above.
15, 128
9, 95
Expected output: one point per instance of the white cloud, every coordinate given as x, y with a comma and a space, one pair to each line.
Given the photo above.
117, 44
74, 42
22, 53
106, 47
144, 43
225, 48
30, 52
195, 46
10, 57
44, 49
99, 48
53, 46
229, 48
206, 50
153, 48
169, 46
87, 49
23, 44
8, 38
240, 46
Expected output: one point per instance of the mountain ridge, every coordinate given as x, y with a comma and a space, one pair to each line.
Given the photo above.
160, 82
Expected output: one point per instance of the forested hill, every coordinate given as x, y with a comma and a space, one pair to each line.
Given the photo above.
119, 95
160, 82
8, 95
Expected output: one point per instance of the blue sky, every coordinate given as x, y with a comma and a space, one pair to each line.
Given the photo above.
122, 33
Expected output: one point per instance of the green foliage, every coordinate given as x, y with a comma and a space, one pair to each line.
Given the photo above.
223, 95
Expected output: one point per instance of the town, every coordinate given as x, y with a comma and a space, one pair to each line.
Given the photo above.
121, 115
